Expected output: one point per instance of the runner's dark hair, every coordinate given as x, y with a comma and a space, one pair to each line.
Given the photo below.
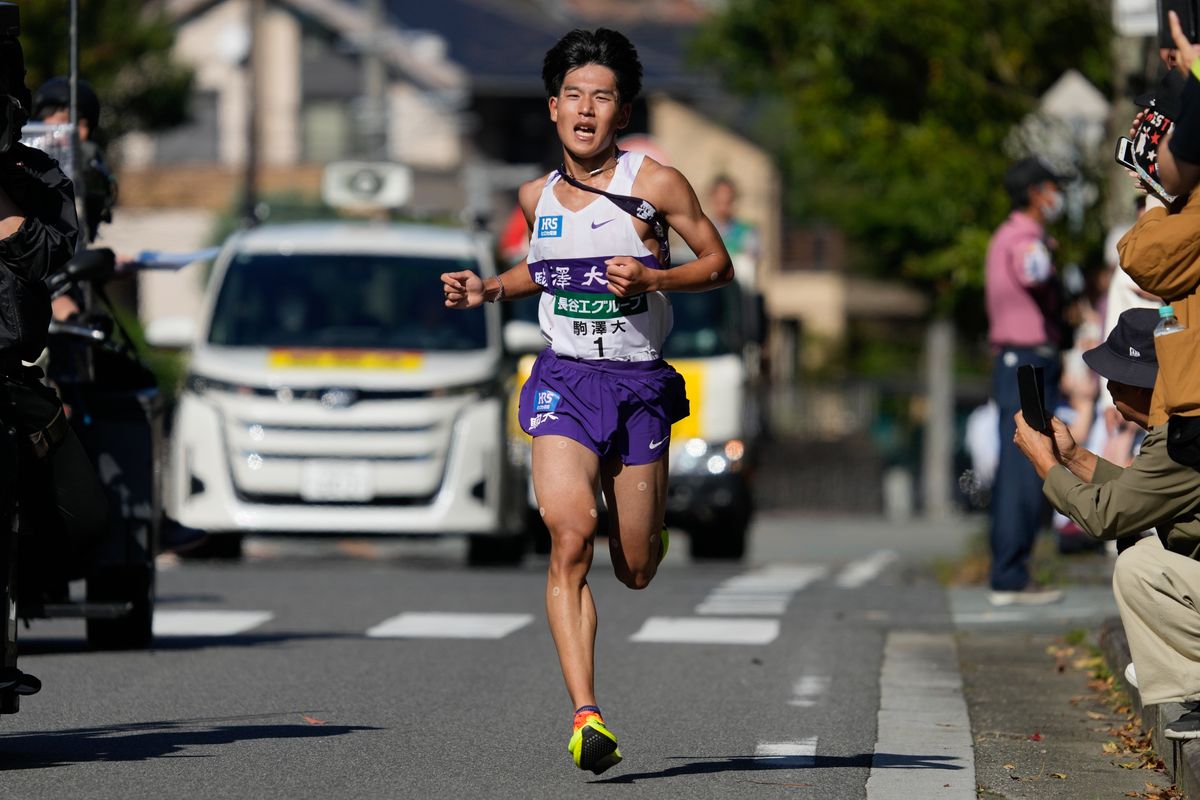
603, 46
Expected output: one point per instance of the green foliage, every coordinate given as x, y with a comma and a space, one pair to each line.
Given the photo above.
890, 118
124, 52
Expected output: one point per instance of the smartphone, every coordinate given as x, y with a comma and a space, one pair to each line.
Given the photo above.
1124, 154
1031, 383
1187, 11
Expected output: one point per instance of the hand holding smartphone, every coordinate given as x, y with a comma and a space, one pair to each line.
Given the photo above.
1031, 383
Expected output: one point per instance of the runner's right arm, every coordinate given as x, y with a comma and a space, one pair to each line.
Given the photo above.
466, 290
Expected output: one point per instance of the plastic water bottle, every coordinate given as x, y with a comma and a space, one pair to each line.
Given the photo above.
1167, 322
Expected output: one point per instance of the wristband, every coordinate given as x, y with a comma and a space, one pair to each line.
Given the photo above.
499, 291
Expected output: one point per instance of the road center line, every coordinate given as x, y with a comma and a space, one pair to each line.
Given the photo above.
924, 747
799, 753
809, 690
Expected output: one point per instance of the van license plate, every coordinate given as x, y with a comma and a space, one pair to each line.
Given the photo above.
343, 481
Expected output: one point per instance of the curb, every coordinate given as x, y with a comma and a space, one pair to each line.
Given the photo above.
1182, 759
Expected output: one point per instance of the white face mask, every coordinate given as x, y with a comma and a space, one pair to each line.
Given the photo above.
1053, 209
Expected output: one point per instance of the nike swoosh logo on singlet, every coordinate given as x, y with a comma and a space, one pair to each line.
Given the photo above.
599, 224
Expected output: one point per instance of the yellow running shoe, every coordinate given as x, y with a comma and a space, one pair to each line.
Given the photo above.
593, 746
664, 539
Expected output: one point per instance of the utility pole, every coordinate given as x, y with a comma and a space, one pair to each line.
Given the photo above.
374, 76
937, 469
254, 11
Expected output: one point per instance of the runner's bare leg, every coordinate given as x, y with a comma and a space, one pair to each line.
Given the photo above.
564, 480
637, 501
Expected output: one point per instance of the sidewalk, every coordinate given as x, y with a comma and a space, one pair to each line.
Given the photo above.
1040, 732
1182, 759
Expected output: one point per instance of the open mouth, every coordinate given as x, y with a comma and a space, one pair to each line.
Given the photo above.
585, 131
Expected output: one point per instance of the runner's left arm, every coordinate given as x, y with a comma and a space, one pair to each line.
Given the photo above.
674, 197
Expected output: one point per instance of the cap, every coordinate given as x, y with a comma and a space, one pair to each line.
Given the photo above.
1029, 172
1167, 97
1127, 355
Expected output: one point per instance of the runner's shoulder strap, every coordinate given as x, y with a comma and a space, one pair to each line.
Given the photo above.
635, 207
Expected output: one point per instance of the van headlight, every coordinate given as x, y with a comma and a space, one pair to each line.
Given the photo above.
198, 384
700, 457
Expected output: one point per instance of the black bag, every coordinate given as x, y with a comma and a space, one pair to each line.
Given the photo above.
1183, 440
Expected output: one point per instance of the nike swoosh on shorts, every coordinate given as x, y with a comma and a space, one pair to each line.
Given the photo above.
656, 445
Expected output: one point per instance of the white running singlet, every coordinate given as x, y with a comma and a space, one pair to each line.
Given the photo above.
579, 316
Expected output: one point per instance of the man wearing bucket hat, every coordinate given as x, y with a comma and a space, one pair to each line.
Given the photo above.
1155, 580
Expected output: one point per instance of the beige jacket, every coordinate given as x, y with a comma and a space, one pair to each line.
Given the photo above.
1162, 255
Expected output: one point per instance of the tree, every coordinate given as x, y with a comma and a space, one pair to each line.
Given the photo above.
124, 52
890, 118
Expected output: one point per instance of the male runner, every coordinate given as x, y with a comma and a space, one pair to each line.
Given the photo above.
600, 401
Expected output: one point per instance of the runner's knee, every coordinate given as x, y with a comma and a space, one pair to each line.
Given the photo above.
571, 544
636, 579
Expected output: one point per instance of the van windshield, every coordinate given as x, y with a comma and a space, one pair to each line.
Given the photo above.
706, 324
338, 300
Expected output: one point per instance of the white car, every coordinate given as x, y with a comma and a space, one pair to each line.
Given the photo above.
331, 392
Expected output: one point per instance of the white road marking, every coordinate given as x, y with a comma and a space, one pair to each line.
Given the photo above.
767, 591
707, 630
413, 625
1032, 614
924, 746
809, 690
799, 753
208, 623
857, 574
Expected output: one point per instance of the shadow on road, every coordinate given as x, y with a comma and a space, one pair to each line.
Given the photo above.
709, 766
62, 645
145, 740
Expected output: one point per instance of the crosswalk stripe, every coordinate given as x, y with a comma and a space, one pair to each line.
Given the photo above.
764, 591
859, 573
437, 625
798, 753
707, 630
208, 623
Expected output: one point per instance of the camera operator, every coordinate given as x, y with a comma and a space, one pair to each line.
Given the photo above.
57, 484
52, 105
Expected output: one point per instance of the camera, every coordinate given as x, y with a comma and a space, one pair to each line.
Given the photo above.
14, 96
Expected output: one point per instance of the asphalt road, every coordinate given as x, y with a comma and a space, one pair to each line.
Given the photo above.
823, 666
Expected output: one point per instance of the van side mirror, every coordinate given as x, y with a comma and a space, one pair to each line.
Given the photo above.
171, 333
522, 337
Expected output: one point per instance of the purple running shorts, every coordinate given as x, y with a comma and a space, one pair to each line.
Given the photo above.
610, 407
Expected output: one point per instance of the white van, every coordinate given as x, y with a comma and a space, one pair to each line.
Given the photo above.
331, 392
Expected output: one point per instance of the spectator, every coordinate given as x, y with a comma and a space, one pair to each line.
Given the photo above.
1155, 580
1024, 306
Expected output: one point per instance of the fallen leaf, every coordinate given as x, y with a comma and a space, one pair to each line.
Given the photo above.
313, 720
1110, 748
1035, 736
1010, 766
1062, 776
1095, 715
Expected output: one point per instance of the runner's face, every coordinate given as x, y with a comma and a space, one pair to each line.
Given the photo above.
588, 112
